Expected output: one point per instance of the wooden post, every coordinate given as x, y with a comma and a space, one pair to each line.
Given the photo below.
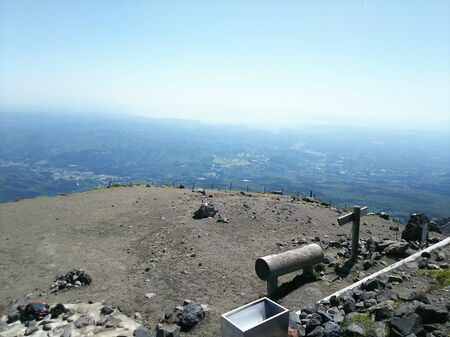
231, 186
272, 285
355, 231
424, 233
310, 194
355, 217
264, 189
247, 188
193, 185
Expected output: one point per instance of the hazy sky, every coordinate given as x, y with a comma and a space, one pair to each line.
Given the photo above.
254, 62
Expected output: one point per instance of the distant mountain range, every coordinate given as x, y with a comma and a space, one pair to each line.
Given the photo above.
396, 172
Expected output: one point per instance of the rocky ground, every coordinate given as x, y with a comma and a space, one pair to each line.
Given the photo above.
407, 301
145, 252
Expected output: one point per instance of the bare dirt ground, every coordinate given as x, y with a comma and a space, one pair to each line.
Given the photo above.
137, 240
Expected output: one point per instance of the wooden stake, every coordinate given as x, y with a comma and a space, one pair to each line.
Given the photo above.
355, 232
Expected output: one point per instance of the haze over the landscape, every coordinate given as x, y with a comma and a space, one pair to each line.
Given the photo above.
259, 63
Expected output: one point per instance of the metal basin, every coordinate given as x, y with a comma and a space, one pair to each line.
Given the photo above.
263, 318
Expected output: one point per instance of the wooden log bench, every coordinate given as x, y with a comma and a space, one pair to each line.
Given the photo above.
269, 267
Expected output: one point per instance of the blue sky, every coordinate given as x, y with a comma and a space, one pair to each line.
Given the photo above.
279, 63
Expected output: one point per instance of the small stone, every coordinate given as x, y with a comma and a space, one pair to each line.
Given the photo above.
349, 305
370, 303
395, 278
423, 263
31, 330
150, 295
313, 322
353, 330
383, 310
113, 322
166, 330
107, 310
374, 284
316, 332
84, 321
101, 321
331, 330
309, 309
142, 332
440, 257
367, 264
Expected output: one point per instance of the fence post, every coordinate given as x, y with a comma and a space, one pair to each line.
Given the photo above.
355, 232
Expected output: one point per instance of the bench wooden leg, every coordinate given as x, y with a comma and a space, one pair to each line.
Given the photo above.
272, 285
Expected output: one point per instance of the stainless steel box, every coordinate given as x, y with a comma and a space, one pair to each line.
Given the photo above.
261, 318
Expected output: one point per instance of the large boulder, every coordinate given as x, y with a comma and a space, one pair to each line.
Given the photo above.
406, 325
397, 248
192, 314
432, 313
414, 227
205, 211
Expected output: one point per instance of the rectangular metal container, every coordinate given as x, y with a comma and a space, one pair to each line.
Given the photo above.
261, 318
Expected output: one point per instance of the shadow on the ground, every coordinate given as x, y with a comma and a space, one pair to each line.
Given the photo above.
288, 287
344, 270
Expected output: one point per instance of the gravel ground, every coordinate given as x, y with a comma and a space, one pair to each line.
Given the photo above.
137, 240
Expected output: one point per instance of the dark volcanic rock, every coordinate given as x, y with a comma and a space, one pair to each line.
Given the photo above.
331, 330
374, 284
192, 314
353, 330
58, 310
313, 322
107, 310
317, 332
432, 313
403, 326
206, 210
414, 227
142, 332
309, 308
406, 309
349, 305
